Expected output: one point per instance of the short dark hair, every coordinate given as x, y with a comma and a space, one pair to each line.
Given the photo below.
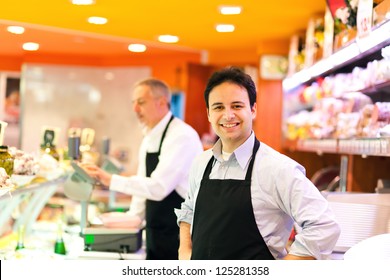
233, 75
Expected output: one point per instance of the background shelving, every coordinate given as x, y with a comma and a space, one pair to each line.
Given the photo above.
366, 159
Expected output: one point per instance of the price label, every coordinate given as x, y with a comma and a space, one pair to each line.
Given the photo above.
364, 17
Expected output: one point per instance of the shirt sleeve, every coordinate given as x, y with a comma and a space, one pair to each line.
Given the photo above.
177, 153
186, 212
309, 209
141, 186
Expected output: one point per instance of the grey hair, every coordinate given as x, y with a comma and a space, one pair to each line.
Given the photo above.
158, 88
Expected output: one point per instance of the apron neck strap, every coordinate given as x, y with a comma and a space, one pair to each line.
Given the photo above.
250, 167
248, 175
165, 132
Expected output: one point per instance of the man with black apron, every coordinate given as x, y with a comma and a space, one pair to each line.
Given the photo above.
162, 232
245, 197
168, 148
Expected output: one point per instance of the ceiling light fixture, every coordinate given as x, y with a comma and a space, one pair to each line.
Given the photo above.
83, 2
15, 29
30, 46
97, 20
136, 48
168, 39
225, 28
230, 10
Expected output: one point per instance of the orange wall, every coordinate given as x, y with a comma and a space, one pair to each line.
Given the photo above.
273, 47
268, 122
244, 57
8, 63
170, 68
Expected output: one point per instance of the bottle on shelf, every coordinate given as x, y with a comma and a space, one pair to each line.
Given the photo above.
48, 144
59, 246
6, 159
20, 243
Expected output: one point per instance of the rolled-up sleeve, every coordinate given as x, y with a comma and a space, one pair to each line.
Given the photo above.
184, 215
186, 212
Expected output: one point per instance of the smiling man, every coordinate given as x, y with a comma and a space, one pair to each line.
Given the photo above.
244, 196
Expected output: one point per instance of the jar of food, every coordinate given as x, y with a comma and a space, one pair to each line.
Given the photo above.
6, 160
51, 150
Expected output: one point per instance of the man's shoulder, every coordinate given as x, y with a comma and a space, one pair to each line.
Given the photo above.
203, 158
200, 161
181, 132
180, 126
272, 156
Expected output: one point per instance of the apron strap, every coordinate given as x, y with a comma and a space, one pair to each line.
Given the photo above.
250, 167
165, 132
248, 175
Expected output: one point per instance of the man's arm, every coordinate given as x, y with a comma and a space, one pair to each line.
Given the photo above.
96, 172
185, 248
311, 212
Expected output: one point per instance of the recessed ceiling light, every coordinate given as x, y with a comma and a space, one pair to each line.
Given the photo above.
168, 39
230, 10
136, 48
30, 46
97, 20
15, 29
225, 27
83, 2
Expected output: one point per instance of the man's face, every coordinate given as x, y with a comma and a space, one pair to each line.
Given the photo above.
230, 114
146, 106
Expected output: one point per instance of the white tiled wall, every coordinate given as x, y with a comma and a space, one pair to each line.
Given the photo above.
95, 97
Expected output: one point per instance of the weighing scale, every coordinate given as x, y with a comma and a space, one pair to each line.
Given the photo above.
79, 186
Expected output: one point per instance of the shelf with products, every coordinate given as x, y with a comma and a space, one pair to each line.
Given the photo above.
308, 105
324, 101
356, 53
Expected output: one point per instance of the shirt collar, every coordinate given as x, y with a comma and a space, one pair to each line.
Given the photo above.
242, 154
159, 127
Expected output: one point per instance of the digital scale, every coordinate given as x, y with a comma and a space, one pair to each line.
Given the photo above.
112, 239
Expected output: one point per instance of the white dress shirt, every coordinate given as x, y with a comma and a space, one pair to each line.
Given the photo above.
180, 146
281, 196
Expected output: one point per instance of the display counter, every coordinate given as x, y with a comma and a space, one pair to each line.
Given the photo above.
39, 244
27, 206
33, 197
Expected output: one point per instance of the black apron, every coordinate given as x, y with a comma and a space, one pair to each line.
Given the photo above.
224, 226
162, 232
